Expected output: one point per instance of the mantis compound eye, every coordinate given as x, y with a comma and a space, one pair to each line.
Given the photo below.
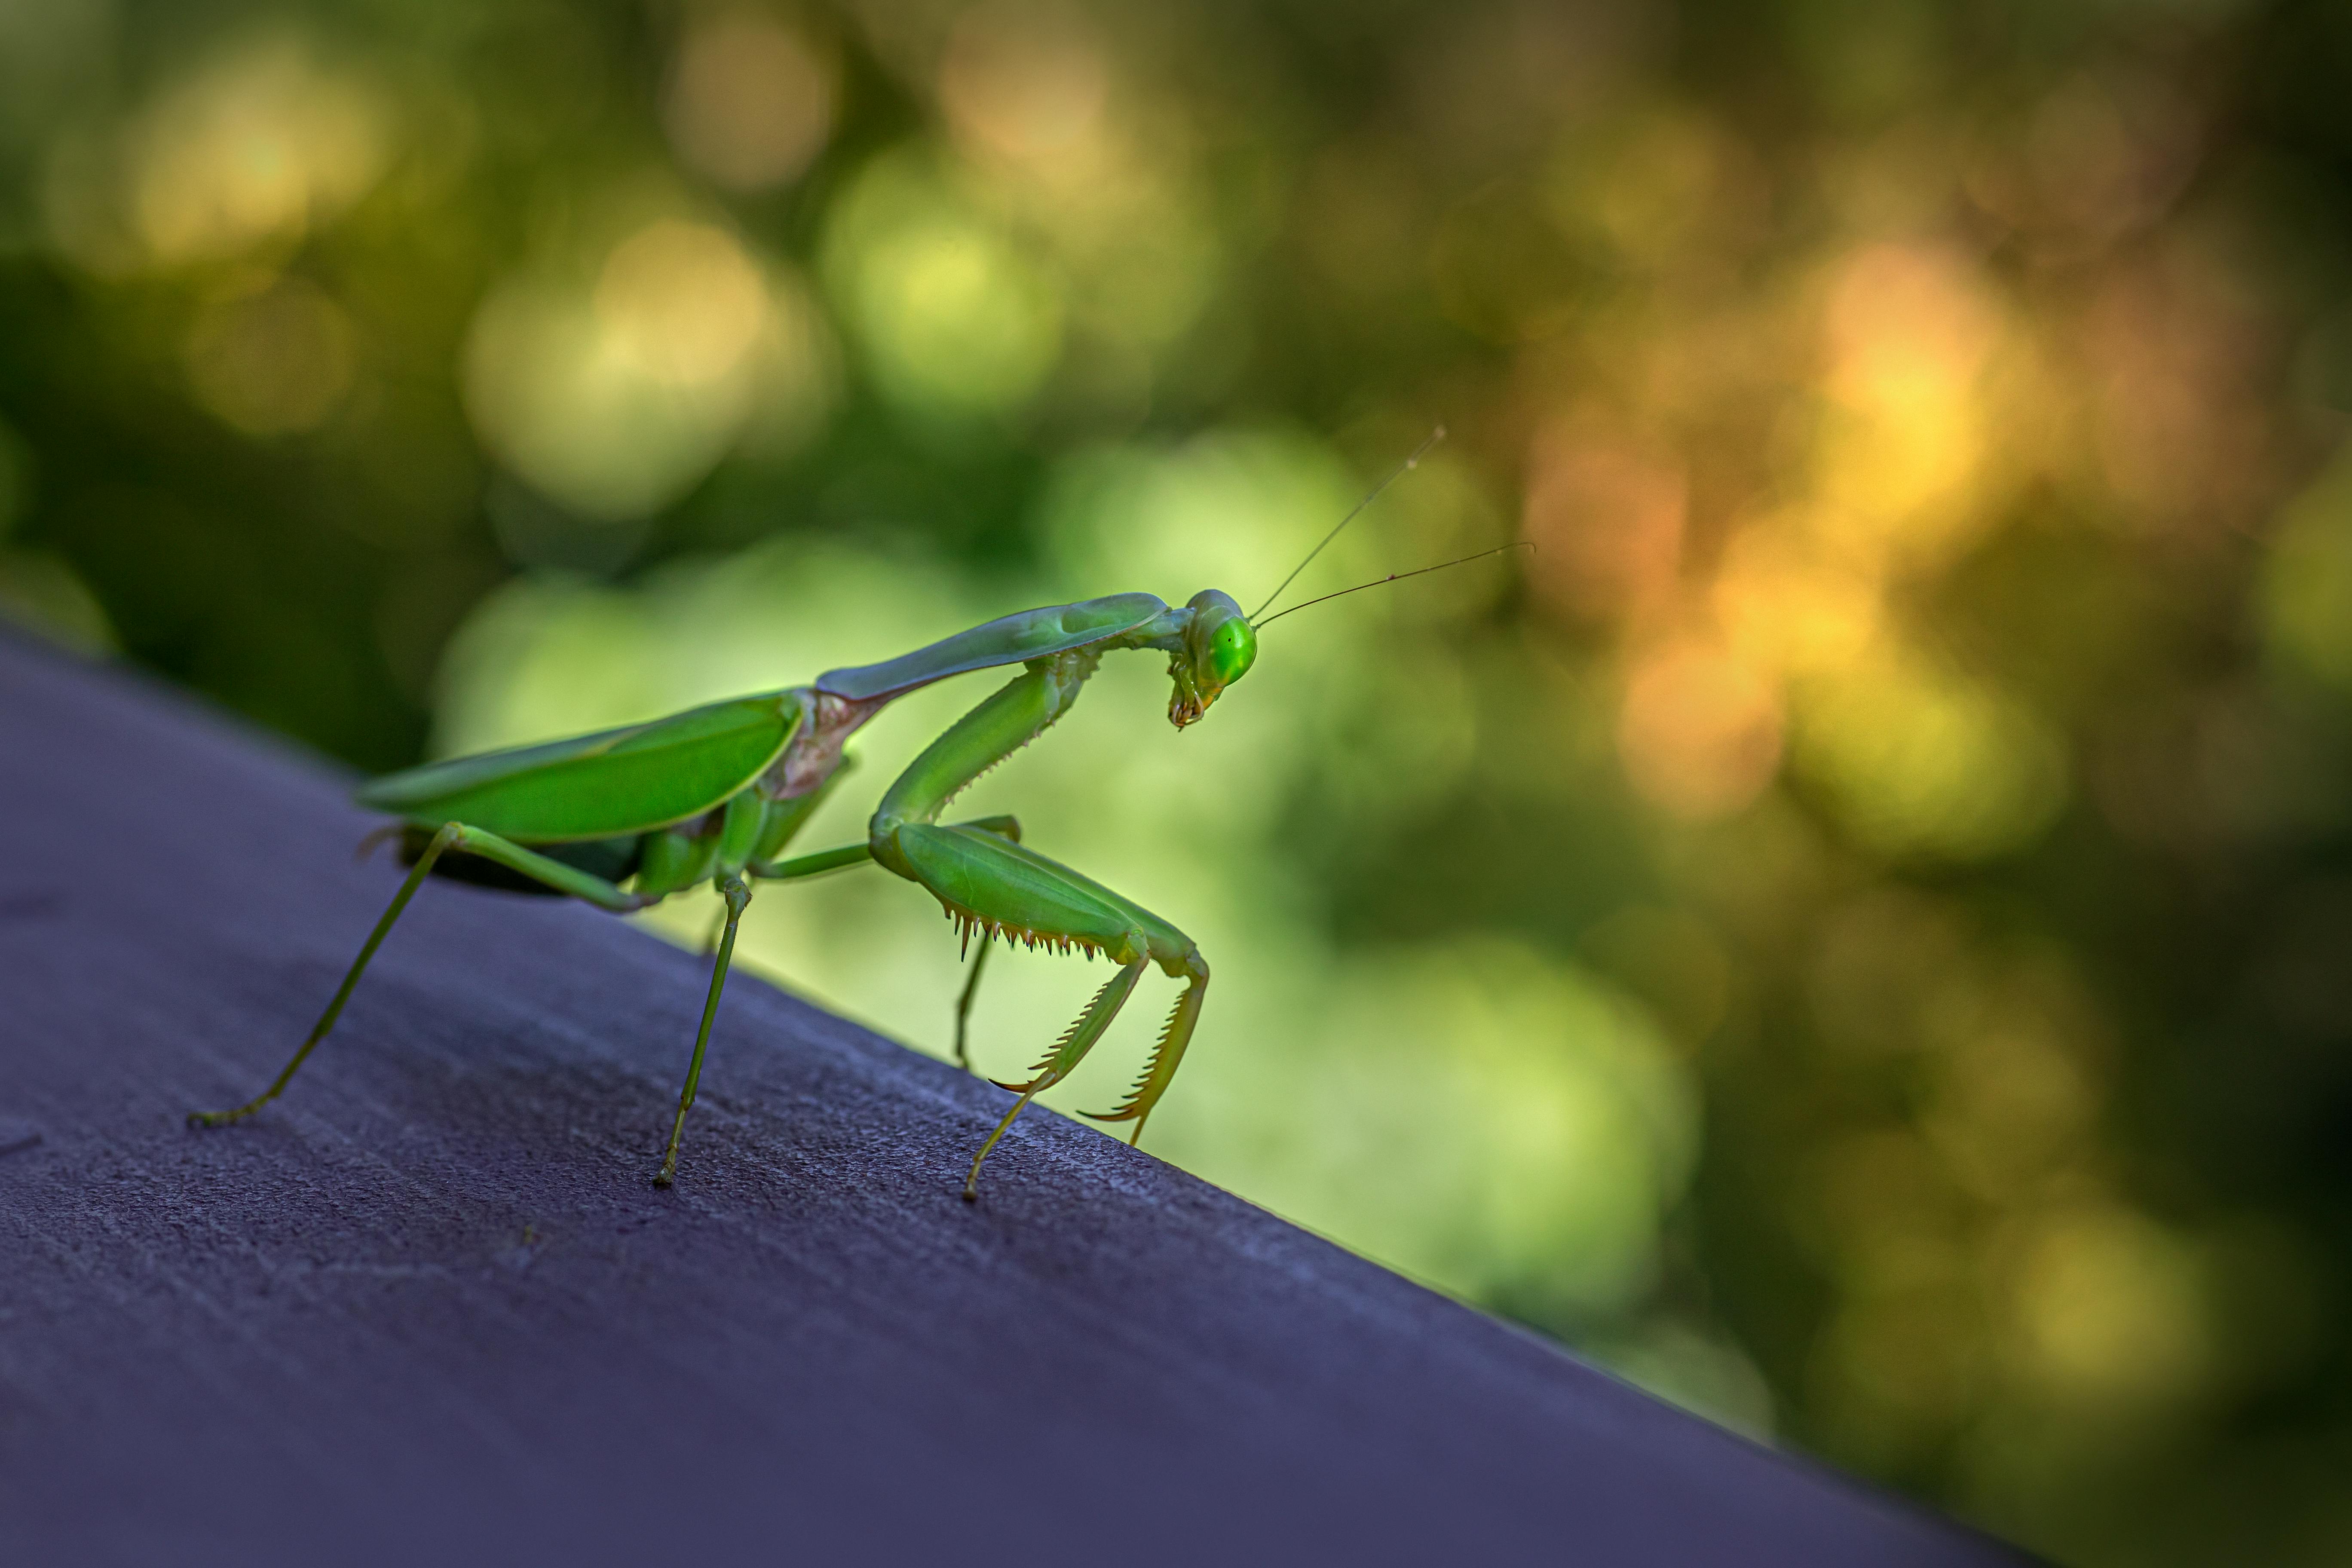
1233, 649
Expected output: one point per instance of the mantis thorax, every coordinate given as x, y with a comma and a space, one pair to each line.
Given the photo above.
826, 721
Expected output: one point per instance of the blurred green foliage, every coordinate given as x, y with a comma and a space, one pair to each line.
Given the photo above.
1856, 934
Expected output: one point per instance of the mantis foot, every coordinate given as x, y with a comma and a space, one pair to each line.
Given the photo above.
226, 1118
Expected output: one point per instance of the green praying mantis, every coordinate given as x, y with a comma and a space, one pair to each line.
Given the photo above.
716, 795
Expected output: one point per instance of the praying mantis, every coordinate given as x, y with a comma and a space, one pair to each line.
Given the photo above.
715, 795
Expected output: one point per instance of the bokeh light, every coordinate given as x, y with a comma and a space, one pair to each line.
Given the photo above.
955, 319
1849, 929
256, 145
615, 394
749, 102
272, 359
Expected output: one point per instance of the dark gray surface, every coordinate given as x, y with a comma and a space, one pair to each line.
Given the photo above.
428, 1306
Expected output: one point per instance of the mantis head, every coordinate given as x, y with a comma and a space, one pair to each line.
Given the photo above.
1219, 646
1220, 642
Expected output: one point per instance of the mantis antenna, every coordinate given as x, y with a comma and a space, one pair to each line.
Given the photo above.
1395, 577
1413, 461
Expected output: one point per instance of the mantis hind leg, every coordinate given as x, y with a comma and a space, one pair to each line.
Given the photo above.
553, 874
443, 841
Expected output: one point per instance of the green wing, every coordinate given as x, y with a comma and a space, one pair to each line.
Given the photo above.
1008, 639
605, 785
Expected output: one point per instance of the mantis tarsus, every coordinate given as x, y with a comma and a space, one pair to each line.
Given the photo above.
716, 794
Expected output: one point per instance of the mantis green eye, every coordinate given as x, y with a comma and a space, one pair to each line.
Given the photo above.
1233, 650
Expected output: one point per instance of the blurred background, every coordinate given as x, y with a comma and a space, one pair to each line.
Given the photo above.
1854, 933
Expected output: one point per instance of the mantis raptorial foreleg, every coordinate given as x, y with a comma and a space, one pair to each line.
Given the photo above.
1004, 889
991, 883
1067, 1053
1160, 1069
452, 836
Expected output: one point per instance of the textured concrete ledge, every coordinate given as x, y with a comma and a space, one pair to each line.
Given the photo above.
429, 1307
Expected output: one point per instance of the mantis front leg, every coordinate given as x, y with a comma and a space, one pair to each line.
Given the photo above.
1000, 887
1067, 1052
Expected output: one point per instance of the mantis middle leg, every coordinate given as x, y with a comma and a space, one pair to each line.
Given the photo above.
1008, 828
732, 888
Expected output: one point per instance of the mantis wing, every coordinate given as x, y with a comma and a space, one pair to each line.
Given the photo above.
605, 785
1008, 639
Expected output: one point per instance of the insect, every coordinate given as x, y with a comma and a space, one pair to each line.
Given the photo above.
716, 795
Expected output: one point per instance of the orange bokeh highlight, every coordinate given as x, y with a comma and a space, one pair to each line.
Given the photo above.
1606, 514
1026, 81
750, 102
1700, 731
